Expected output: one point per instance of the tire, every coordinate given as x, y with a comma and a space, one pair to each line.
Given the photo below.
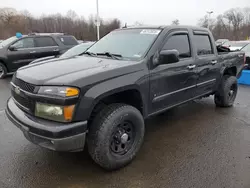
227, 92
3, 71
107, 142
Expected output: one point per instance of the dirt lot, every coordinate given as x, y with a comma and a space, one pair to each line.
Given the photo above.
194, 145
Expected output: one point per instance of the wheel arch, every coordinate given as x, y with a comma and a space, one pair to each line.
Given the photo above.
4, 63
129, 94
232, 71
93, 102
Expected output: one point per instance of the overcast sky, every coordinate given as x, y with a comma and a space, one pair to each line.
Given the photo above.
153, 12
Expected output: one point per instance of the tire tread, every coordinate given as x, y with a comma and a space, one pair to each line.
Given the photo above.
97, 128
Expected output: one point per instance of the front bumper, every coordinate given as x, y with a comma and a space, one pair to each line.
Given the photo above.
48, 134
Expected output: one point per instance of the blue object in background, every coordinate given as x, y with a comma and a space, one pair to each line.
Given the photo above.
19, 35
245, 77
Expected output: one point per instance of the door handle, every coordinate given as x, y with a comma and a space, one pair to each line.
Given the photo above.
56, 50
32, 52
213, 62
191, 66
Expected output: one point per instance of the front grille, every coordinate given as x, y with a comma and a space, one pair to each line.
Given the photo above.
23, 85
22, 101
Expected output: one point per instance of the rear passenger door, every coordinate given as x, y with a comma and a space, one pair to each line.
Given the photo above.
46, 46
206, 63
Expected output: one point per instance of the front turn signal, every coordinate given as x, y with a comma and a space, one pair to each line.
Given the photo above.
71, 92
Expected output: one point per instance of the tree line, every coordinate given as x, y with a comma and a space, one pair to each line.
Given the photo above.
233, 24
12, 21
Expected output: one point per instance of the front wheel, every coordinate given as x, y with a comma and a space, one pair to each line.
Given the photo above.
227, 92
115, 136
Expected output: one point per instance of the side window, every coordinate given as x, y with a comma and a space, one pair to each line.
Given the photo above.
68, 40
180, 43
24, 43
45, 42
203, 44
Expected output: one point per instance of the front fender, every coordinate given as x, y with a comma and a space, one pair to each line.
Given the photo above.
99, 91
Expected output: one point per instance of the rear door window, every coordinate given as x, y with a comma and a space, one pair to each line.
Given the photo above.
68, 40
45, 42
203, 45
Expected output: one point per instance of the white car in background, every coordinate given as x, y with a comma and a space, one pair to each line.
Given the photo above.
236, 45
221, 41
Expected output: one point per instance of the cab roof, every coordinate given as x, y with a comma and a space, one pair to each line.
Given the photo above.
166, 27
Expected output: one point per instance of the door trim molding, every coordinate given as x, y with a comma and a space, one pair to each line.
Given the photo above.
169, 107
161, 97
206, 82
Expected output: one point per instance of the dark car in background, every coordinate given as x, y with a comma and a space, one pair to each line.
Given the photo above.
20, 50
76, 50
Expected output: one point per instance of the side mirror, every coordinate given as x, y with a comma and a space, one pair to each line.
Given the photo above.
168, 57
12, 48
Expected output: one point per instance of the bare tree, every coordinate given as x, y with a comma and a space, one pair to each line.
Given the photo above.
235, 17
7, 15
12, 21
203, 22
234, 24
176, 22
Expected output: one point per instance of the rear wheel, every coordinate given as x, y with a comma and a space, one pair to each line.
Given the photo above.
227, 92
3, 71
115, 136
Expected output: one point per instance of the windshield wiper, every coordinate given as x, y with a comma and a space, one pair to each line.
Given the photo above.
89, 53
113, 56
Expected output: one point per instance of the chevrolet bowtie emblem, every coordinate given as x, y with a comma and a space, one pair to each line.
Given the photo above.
17, 90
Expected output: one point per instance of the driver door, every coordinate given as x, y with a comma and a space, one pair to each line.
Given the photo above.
173, 83
23, 53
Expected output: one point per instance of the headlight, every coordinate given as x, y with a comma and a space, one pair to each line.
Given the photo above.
54, 112
59, 91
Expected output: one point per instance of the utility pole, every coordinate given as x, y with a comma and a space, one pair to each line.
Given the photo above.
209, 16
97, 20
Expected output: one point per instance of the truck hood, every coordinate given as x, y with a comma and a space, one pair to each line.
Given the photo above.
75, 71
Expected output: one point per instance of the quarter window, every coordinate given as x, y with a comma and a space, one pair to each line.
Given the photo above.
203, 44
179, 43
68, 40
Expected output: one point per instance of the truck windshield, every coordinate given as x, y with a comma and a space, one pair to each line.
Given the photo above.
7, 41
130, 44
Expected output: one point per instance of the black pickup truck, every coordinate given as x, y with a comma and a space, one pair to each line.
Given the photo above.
103, 96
